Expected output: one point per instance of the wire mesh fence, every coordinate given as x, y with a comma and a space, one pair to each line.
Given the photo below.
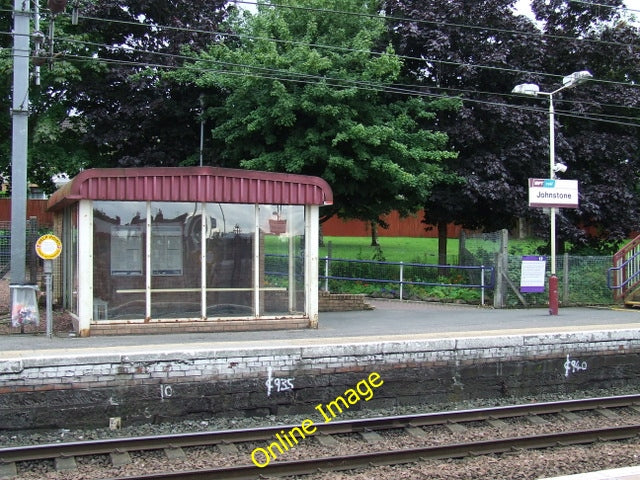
5, 247
31, 260
582, 280
480, 248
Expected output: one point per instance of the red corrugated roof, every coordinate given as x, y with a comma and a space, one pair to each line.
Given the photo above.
193, 184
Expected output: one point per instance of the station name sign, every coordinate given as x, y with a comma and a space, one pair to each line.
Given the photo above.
548, 192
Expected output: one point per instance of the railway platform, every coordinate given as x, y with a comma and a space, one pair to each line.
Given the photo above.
629, 473
419, 353
388, 319
422, 353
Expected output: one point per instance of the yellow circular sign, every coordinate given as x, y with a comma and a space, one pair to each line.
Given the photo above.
48, 247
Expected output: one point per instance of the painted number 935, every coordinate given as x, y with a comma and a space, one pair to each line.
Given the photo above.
279, 384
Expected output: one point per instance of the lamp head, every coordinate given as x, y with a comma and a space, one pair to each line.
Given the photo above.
526, 89
576, 78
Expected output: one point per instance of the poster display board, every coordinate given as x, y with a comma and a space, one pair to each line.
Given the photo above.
126, 250
532, 274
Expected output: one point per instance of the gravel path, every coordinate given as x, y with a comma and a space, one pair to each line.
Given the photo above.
514, 466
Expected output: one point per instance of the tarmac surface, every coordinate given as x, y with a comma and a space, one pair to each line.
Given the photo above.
388, 320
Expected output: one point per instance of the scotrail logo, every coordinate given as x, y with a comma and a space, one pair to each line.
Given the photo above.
544, 183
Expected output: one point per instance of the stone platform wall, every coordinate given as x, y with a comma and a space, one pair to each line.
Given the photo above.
88, 388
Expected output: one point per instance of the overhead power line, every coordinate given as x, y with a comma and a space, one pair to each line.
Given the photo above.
359, 85
595, 4
189, 58
441, 23
300, 77
269, 73
344, 49
367, 15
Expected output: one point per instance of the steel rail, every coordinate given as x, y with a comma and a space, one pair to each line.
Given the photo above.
106, 446
396, 457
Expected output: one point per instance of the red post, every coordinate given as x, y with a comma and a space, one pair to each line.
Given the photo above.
553, 295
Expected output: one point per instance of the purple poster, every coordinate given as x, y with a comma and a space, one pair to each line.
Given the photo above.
532, 274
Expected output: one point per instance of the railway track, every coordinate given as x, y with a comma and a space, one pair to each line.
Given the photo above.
411, 424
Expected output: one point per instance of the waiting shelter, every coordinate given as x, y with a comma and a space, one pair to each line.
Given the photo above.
188, 249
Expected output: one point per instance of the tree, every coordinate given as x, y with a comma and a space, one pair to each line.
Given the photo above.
483, 49
598, 121
52, 144
6, 70
99, 104
309, 89
139, 38
469, 49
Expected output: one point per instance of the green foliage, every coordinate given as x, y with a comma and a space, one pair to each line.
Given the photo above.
500, 148
96, 105
313, 89
592, 284
378, 256
5, 237
54, 147
587, 281
53, 143
410, 292
528, 246
396, 249
305, 93
601, 246
372, 276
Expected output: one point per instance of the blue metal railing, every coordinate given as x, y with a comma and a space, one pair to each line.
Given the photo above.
400, 273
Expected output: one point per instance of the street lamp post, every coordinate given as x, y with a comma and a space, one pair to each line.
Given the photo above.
569, 81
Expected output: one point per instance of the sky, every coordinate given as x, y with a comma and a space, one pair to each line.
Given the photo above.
630, 4
633, 5
522, 4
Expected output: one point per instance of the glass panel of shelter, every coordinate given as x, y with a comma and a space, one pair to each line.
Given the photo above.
175, 259
229, 260
70, 258
174, 255
282, 277
119, 234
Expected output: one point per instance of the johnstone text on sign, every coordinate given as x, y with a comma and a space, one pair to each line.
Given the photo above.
546, 192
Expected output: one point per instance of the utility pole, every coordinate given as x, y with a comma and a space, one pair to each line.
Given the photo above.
20, 117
